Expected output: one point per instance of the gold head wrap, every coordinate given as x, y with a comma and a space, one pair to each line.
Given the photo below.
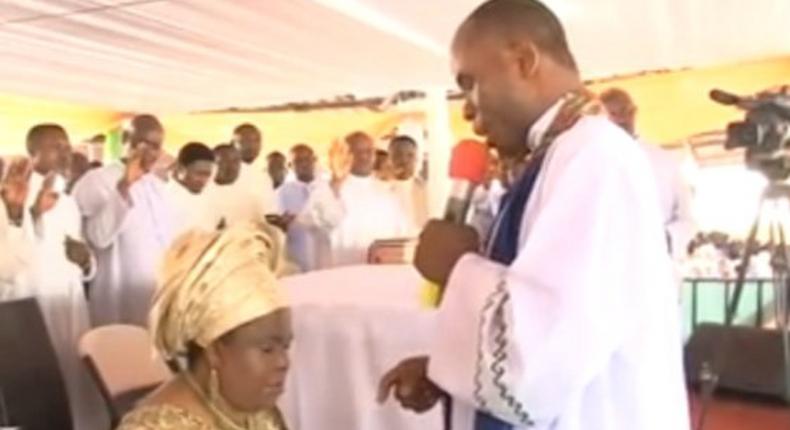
212, 283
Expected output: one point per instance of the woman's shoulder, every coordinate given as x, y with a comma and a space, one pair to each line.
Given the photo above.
163, 417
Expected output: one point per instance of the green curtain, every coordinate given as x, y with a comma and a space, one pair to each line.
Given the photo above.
113, 145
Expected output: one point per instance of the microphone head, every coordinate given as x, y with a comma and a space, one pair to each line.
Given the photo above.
724, 97
469, 161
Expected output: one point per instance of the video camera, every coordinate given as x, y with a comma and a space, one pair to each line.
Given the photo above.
765, 132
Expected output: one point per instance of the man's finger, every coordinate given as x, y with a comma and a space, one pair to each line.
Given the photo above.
389, 381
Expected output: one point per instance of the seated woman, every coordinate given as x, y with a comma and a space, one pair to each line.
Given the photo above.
220, 313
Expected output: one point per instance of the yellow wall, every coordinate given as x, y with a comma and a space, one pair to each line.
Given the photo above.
676, 105
673, 106
18, 114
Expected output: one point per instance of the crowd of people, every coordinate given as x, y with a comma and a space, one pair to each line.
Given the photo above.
88, 241
716, 255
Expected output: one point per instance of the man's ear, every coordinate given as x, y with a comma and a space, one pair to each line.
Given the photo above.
527, 58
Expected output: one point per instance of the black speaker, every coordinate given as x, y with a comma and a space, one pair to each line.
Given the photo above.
747, 360
30, 378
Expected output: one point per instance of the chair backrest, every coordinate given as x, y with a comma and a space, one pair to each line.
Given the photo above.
123, 359
30, 377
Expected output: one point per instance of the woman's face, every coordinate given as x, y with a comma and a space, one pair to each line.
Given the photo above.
252, 362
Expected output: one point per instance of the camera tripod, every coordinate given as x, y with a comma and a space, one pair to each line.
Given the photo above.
773, 216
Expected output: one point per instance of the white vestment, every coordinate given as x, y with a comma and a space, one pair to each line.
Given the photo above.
16, 255
57, 284
190, 210
371, 213
412, 198
675, 197
580, 331
317, 212
249, 199
128, 238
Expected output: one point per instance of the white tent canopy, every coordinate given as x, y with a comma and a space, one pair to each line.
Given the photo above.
177, 55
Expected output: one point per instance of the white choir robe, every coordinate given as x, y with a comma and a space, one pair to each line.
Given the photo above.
16, 255
129, 240
317, 212
580, 331
412, 199
190, 210
57, 284
371, 213
675, 197
249, 199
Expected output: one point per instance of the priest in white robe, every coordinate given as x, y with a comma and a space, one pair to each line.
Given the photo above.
127, 222
673, 191
312, 209
567, 319
371, 211
253, 178
411, 192
185, 190
229, 200
62, 263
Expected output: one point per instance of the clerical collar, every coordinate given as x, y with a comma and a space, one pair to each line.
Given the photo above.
541, 126
58, 186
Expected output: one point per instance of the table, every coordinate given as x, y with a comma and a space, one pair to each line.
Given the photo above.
351, 325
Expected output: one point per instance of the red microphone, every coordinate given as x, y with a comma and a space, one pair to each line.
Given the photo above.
468, 167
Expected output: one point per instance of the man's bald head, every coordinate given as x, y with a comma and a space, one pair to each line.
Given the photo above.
140, 127
361, 146
513, 21
621, 108
303, 162
249, 140
512, 63
144, 135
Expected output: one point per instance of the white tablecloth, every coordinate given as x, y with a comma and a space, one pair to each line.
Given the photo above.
351, 325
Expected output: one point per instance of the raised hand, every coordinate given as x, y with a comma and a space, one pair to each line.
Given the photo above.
137, 166
15, 187
47, 197
339, 160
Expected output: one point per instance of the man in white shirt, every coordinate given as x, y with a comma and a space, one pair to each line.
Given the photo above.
229, 200
253, 181
371, 211
276, 168
128, 223
673, 190
312, 209
567, 321
410, 191
62, 263
194, 170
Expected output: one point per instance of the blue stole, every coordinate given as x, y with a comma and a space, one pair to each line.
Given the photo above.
503, 246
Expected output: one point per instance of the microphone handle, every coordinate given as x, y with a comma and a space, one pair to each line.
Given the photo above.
460, 201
